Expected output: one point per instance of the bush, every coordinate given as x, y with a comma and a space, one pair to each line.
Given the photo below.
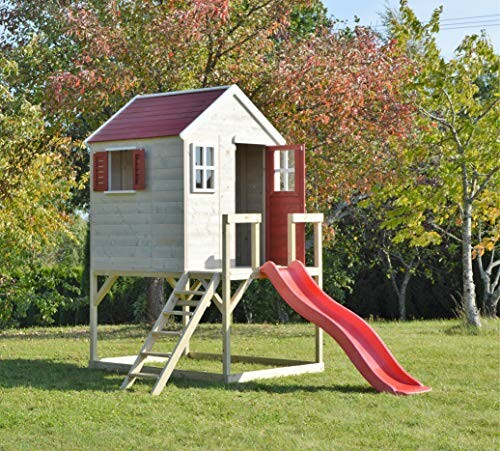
36, 296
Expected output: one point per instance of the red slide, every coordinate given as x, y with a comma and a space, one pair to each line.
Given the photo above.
359, 341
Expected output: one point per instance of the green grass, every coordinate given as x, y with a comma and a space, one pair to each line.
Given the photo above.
48, 399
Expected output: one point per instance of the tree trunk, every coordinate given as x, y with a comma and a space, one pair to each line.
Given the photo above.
469, 289
402, 295
155, 298
491, 304
400, 290
283, 316
491, 283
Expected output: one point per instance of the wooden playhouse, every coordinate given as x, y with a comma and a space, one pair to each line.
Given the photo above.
199, 188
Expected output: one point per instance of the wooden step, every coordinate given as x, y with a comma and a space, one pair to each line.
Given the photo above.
177, 312
167, 332
188, 293
187, 303
144, 375
156, 354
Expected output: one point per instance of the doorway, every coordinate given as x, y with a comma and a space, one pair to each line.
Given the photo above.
250, 197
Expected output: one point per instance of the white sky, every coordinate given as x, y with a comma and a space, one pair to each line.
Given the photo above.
368, 11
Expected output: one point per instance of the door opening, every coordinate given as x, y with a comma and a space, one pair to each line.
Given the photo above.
250, 197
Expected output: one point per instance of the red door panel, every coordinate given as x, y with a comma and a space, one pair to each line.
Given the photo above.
285, 193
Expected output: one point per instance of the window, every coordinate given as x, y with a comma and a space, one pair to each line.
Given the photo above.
284, 170
120, 170
203, 175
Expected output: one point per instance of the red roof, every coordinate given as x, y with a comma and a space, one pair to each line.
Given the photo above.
157, 115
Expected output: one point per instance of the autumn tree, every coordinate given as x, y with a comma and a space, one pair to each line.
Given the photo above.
452, 165
115, 50
340, 93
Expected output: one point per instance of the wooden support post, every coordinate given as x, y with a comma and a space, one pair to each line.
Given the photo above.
292, 240
185, 319
226, 297
318, 263
255, 242
316, 219
93, 317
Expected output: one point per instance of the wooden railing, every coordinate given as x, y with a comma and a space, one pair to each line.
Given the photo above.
254, 219
317, 220
317, 270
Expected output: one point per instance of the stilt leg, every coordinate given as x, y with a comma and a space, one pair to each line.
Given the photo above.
319, 344
93, 317
185, 320
226, 298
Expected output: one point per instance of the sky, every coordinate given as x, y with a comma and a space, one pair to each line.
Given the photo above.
459, 17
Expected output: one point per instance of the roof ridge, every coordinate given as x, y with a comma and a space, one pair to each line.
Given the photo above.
186, 91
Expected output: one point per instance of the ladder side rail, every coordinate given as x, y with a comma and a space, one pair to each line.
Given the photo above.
185, 336
151, 338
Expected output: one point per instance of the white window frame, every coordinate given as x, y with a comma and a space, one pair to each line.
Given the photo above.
203, 167
285, 170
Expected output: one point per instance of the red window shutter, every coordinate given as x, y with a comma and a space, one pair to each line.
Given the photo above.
139, 169
101, 171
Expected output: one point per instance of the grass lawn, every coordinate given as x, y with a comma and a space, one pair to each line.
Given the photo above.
48, 399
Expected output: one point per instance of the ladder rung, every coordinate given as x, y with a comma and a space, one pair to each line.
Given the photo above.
177, 312
188, 293
188, 303
145, 375
167, 332
156, 354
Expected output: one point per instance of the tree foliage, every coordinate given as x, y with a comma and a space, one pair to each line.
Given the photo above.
452, 165
340, 93
379, 117
35, 183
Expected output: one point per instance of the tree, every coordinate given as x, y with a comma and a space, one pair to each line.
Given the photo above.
453, 161
341, 94
35, 182
110, 51
35, 187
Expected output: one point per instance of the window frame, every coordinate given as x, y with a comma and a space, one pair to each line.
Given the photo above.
203, 167
110, 169
284, 172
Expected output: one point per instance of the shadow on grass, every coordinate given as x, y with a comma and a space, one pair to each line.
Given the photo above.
53, 375
135, 331
57, 376
270, 386
207, 331
491, 327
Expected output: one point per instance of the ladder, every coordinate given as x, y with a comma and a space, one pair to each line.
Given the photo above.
180, 297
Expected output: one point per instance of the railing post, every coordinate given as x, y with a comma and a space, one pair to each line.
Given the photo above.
317, 220
255, 244
318, 262
292, 240
226, 297
254, 219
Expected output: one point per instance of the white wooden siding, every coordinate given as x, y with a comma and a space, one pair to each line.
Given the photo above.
144, 230
229, 119
166, 227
